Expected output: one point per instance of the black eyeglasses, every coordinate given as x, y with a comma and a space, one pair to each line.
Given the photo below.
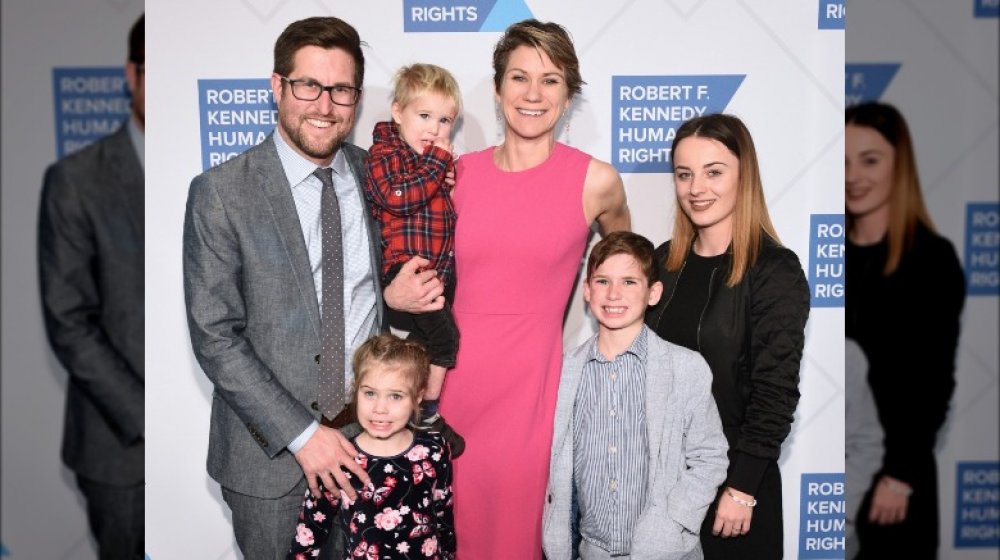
308, 90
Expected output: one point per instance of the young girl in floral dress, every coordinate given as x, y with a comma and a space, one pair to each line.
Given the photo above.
406, 510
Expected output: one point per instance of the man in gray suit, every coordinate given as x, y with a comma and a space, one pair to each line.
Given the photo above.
90, 260
253, 278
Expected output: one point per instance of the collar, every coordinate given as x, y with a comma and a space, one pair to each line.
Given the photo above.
297, 168
138, 139
638, 348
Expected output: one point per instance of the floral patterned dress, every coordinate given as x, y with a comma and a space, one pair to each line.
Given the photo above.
405, 513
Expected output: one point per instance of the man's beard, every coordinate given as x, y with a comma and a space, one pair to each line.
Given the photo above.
318, 150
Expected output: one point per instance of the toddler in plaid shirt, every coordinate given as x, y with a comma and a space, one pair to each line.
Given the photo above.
409, 161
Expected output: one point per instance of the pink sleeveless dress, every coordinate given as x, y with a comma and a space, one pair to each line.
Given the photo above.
519, 242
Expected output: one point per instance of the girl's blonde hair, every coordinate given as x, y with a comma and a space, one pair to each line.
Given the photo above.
407, 357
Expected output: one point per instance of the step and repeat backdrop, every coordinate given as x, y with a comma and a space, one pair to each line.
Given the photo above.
937, 62
649, 65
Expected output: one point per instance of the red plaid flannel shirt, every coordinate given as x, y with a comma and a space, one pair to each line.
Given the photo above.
411, 201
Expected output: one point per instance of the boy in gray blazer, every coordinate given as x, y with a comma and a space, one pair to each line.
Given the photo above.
638, 451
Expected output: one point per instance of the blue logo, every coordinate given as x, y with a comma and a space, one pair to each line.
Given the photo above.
821, 516
235, 115
832, 14
986, 8
826, 260
428, 16
982, 249
977, 503
90, 103
646, 111
867, 82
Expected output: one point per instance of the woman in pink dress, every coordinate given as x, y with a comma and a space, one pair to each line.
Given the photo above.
524, 212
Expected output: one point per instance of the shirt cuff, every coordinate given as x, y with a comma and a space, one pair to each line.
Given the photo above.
299, 442
746, 472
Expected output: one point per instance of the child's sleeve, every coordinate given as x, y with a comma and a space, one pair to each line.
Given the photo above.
442, 500
403, 188
316, 519
705, 452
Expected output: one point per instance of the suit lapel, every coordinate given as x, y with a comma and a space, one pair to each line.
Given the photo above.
127, 176
659, 384
272, 181
572, 373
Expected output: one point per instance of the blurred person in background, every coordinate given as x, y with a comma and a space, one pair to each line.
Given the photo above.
863, 439
91, 267
905, 279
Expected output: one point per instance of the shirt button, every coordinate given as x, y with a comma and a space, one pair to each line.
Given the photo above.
613, 485
398, 192
316, 358
614, 376
612, 412
612, 449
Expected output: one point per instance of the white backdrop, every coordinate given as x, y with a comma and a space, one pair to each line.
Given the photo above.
947, 88
42, 513
792, 100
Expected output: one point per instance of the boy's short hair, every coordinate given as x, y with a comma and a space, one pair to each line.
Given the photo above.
625, 243
410, 357
418, 79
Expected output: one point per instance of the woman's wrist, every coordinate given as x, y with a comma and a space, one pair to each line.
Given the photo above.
896, 486
741, 498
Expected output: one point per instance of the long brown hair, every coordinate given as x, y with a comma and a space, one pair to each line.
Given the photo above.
750, 218
906, 202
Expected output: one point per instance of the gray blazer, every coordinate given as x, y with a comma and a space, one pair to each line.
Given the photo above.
253, 315
687, 454
90, 269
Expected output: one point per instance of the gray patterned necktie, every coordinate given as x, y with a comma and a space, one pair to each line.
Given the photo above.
331, 368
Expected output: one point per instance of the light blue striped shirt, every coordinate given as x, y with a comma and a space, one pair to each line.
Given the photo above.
610, 449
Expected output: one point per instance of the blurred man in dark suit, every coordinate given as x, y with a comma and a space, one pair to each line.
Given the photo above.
90, 259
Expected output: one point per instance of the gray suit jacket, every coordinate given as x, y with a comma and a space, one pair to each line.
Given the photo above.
253, 315
90, 268
687, 455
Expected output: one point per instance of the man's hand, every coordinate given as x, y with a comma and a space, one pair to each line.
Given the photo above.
322, 457
415, 292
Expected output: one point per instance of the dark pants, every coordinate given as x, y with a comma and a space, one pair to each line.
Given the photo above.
264, 527
435, 330
117, 518
765, 540
916, 537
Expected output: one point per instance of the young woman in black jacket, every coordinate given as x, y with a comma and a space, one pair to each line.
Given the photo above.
736, 295
904, 279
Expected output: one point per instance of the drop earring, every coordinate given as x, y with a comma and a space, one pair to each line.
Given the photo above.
500, 124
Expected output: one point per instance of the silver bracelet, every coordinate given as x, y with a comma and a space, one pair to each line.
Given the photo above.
741, 501
897, 488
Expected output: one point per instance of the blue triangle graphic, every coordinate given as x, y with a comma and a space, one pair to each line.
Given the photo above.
867, 81
504, 13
